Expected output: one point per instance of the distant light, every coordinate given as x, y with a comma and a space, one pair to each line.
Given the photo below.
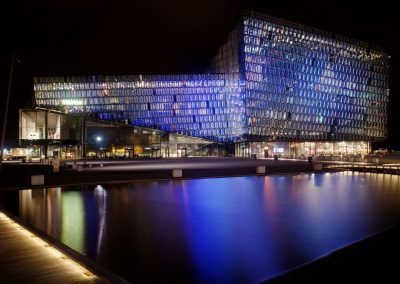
98, 138
99, 188
72, 102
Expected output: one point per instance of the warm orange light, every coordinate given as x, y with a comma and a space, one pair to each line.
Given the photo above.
46, 251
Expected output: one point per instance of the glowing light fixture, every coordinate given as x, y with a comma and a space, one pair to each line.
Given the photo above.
47, 252
72, 102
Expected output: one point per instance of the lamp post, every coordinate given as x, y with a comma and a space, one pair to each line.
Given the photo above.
14, 60
98, 141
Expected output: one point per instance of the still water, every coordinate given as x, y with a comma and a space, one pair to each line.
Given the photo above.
217, 230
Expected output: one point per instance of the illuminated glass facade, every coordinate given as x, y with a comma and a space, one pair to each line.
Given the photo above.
272, 80
204, 105
52, 134
305, 84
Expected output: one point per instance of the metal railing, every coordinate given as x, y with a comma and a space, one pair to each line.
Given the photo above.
376, 168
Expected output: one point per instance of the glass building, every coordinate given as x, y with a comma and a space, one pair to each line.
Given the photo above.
52, 134
274, 87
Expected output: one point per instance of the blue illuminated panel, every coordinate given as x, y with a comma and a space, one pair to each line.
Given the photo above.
205, 105
305, 84
272, 80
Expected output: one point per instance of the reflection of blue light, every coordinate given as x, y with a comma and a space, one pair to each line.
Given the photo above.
223, 211
101, 205
228, 230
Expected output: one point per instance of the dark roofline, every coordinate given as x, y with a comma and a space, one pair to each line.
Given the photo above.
291, 24
138, 77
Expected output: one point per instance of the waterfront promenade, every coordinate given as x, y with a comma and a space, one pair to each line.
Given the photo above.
362, 261
26, 258
18, 175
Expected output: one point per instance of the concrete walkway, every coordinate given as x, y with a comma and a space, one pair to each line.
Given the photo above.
25, 258
100, 171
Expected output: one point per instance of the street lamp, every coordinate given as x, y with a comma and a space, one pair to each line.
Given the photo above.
98, 141
14, 61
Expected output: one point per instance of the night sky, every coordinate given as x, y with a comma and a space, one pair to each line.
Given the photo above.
88, 37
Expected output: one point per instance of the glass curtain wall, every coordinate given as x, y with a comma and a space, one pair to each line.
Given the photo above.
305, 84
50, 134
206, 105
271, 81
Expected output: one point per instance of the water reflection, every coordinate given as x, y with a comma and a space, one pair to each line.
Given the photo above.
42, 208
226, 230
100, 196
73, 220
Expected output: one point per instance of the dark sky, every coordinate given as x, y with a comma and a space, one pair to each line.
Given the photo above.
73, 37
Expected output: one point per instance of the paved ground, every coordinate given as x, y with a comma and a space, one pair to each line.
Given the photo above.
18, 175
25, 258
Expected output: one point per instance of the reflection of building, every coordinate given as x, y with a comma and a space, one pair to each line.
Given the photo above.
42, 209
295, 88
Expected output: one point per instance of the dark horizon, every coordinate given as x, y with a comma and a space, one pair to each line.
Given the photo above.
131, 37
